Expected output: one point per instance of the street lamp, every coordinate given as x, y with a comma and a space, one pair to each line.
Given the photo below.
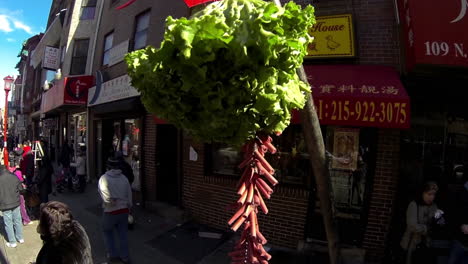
8, 81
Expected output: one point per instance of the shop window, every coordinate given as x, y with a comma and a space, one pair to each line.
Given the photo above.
80, 56
108, 40
88, 10
131, 148
141, 30
290, 162
351, 163
223, 160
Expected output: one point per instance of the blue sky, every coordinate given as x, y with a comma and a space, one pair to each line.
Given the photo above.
19, 20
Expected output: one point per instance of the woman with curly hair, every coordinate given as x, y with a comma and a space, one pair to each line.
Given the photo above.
65, 240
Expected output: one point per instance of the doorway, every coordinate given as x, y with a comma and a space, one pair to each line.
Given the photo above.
167, 161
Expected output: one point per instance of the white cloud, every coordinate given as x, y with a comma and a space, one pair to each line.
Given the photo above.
5, 24
21, 25
11, 40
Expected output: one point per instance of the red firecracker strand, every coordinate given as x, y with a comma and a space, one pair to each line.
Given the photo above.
252, 189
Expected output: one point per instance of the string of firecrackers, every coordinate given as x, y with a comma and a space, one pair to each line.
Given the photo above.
252, 190
190, 3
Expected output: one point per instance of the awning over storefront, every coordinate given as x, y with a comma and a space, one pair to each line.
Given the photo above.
50, 38
69, 91
358, 95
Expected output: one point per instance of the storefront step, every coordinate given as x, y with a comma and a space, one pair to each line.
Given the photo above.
349, 255
167, 211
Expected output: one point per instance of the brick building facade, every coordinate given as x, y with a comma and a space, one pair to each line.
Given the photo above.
207, 196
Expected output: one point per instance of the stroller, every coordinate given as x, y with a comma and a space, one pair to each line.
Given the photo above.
62, 180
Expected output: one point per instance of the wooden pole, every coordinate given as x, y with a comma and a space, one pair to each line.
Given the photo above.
316, 149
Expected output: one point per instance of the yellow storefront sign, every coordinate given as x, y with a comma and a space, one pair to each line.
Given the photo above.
333, 37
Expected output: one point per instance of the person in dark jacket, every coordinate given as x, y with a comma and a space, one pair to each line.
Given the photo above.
459, 251
65, 240
64, 160
125, 167
44, 181
27, 165
10, 188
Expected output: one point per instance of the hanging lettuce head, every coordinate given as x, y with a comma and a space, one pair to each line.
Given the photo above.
227, 72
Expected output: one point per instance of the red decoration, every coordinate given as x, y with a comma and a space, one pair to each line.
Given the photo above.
126, 4
192, 3
253, 188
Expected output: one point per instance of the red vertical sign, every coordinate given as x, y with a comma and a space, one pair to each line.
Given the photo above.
435, 32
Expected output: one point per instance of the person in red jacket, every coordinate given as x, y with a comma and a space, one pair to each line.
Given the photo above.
27, 165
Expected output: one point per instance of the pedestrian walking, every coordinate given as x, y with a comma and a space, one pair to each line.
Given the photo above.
27, 165
80, 165
10, 188
24, 213
44, 181
65, 240
17, 154
64, 160
421, 215
116, 195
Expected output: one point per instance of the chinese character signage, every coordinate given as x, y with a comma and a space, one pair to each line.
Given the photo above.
435, 32
333, 37
358, 95
51, 59
116, 89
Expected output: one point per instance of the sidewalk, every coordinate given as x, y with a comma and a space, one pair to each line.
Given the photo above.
153, 240
23, 253
86, 208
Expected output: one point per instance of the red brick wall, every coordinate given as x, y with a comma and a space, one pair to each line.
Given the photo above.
383, 193
149, 154
206, 199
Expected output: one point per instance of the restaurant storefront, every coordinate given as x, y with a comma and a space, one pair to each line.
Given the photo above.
353, 109
435, 75
116, 118
59, 107
363, 108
